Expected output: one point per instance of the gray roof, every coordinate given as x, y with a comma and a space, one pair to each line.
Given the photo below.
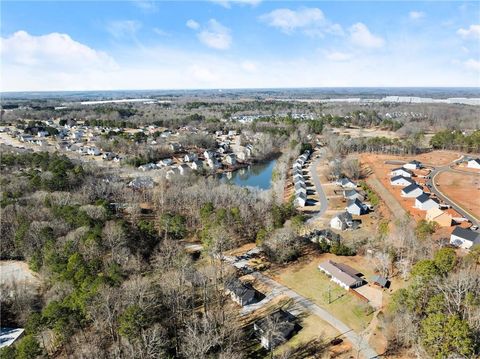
408, 179
411, 188
380, 280
285, 319
342, 272
356, 202
344, 216
423, 198
240, 290
466, 234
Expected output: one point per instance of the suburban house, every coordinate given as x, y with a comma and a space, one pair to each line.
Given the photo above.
424, 202
190, 157
183, 169
400, 171
175, 147
298, 176
413, 165
240, 292
8, 336
352, 194
213, 163
300, 189
464, 238
172, 173
356, 207
435, 214
300, 199
196, 165
166, 162
412, 191
346, 183
474, 163
401, 181
231, 159
283, 325
147, 167
342, 274
326, 235
380, 281
209, 155
297, 165
300, 183
341, 221
141, 182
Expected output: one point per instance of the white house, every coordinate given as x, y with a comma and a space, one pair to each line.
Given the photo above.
341, 221
413, 165
356, 207
196, 165
412, 191
352, 194
400, 171
346, 183
464, 238
213, 163
209, 154
165, 162
285, 326
93, 151
231, 159
424, 202
342, 274
300, 199
401, 181
183, 169
175, 147
474, 163
190, 157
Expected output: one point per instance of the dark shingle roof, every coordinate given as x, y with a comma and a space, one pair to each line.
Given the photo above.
423, 198
395, 178
466, 234
411, 188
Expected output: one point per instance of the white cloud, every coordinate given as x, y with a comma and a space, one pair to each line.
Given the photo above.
228, 3
416, 15
145, 5
289, 20
123, 28
192, 24
472, 64
160, 32
338, 56
215, 35
361, 36
472, 32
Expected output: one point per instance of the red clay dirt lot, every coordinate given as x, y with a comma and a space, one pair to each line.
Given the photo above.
381, 170
463, 189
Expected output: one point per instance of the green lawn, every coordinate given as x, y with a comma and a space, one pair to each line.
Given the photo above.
308, 281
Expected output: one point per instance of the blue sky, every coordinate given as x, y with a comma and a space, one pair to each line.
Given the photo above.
144, 44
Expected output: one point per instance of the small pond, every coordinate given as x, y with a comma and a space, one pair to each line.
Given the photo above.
257, 175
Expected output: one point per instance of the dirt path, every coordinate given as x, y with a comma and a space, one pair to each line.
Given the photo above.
395, 208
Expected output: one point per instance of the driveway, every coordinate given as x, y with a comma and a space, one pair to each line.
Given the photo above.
358, 341
395, 208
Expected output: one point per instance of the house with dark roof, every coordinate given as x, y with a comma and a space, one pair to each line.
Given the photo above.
380, 281
352, 194
413, 165
412, 191
425, 202
474, 163
356, 207
464, 238
401, 181
275, 328
300, 199
400, 171
341, 221
239, 292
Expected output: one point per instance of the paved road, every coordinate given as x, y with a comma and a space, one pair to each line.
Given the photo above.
357, 341
433, 187
318, 186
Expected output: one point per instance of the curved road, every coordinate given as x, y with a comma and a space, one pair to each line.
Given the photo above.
360, 343
433, 187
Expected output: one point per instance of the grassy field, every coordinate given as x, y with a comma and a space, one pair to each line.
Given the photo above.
308, 281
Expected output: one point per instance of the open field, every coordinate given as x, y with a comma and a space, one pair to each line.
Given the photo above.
463, 189
368, 132
305, 278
